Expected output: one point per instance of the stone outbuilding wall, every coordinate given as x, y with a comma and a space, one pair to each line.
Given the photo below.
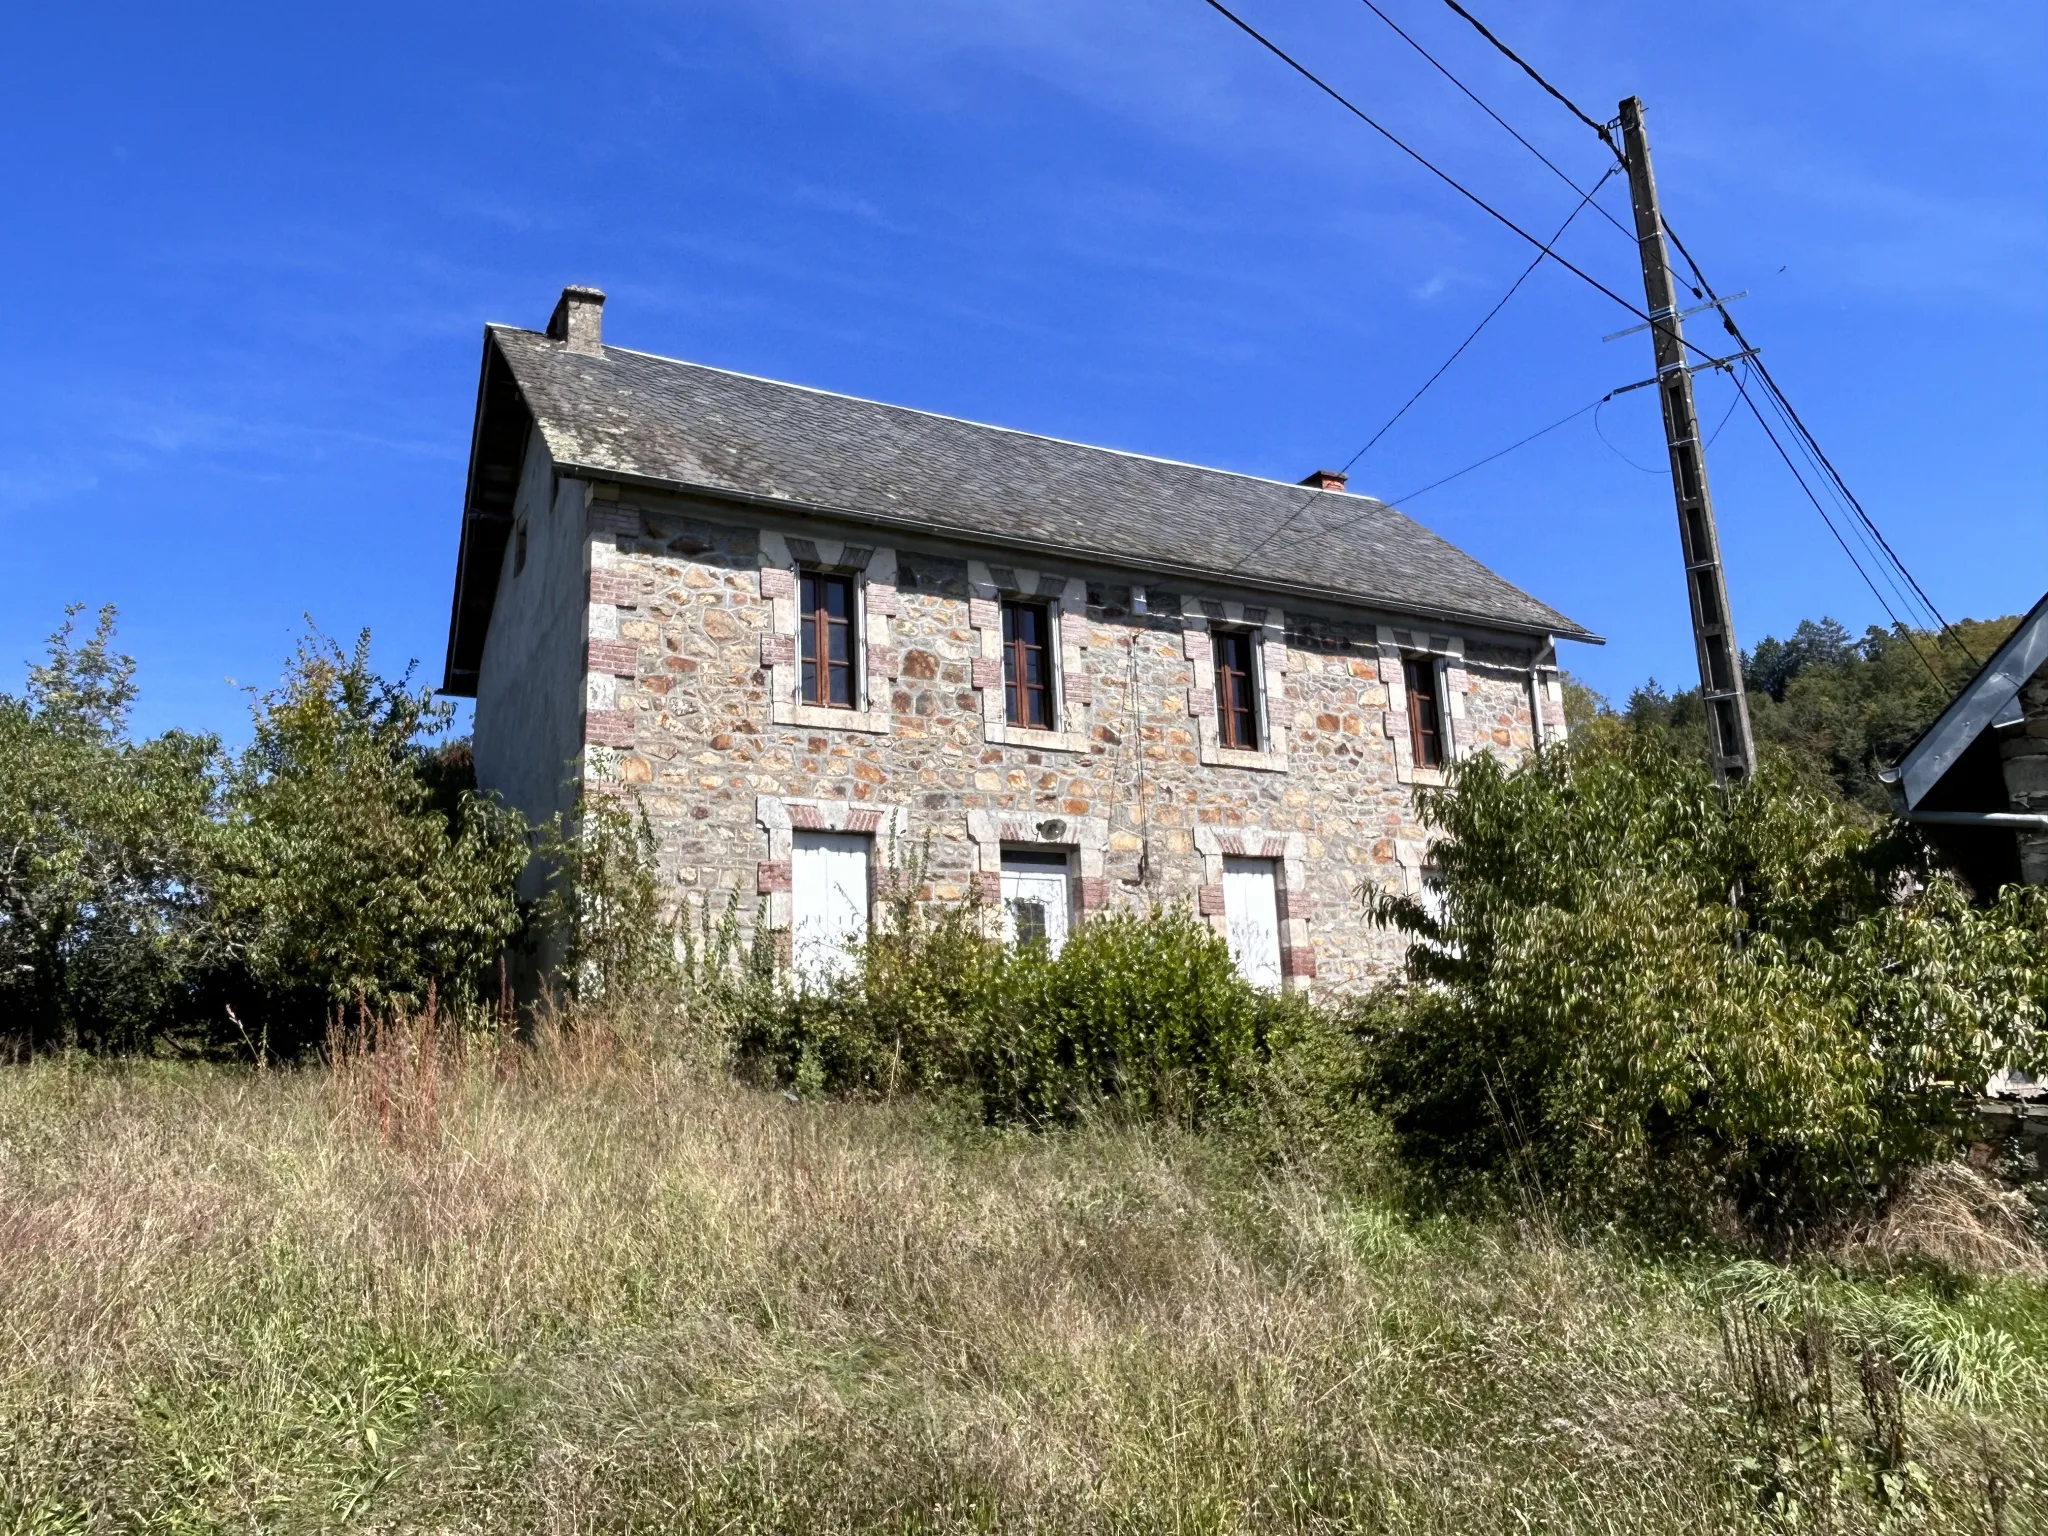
691, 703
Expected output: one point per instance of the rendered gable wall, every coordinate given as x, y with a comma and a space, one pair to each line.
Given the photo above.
529, 701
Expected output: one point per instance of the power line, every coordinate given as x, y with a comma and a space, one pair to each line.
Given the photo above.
1809, 444
1812, 443
1472, 96
1584, 199
1514, 288
1601, 433
1725, 415
1888, 569
1482, 463
1858, 564
1349, 522
1417, 156
1570, 106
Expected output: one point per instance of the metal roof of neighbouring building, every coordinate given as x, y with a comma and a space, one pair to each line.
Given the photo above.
630, 416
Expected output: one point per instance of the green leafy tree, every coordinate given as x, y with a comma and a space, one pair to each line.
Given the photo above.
1651, 998
358, 863
105, 849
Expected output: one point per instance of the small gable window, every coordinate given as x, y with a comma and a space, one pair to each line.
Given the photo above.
825, 624
1027, 665
1237, 697
1425, 712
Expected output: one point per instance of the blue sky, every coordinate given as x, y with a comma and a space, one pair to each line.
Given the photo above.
251, 250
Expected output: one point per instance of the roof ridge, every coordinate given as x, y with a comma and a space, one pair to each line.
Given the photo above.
983, 426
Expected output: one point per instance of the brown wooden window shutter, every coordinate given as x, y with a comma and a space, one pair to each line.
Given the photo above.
1425, 712
1027, 665
825, 624
1237, 698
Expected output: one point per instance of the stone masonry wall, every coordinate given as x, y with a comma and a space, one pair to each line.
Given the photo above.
690, 704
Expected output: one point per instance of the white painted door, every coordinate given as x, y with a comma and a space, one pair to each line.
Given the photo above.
1035, 894
1251, 908
829, 902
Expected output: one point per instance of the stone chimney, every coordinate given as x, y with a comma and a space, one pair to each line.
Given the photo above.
578, 320
1322, 479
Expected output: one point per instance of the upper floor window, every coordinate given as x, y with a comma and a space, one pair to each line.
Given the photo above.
1027, 665
1425, 712
825, 625
1237, 691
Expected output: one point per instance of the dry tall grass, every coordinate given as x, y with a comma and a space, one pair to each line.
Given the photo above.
580, 1291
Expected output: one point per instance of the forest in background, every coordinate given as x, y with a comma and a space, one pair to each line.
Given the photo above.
1839, 708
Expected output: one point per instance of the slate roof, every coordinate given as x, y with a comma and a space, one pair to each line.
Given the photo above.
652, 420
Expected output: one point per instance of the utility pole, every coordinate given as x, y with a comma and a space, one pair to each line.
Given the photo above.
1730, 749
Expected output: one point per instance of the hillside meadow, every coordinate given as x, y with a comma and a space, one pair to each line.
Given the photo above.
573, 1287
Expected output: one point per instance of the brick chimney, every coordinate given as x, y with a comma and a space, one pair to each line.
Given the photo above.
1322, 479
578, 319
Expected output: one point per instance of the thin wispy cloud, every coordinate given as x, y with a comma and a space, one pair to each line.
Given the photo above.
35, 484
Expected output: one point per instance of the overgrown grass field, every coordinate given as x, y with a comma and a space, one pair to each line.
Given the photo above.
578, 1290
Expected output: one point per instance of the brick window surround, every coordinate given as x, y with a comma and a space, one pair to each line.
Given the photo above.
782, 817
1251, 640
1424, 681
996, 591
790, 576
1029, 654
1444, 655
1087, 836
1290, 851
1237, 689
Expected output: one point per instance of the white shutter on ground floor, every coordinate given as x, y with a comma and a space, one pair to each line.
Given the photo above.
1035, 896
1251, 910
829, 902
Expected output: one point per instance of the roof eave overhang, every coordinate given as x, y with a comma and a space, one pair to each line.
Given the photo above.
929, 528
480, 554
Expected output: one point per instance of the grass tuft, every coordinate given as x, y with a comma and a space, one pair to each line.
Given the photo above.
590, 1291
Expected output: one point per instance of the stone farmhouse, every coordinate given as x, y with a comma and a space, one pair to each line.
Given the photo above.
823, 640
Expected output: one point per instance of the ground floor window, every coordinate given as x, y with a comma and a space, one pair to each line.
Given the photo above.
1251, 912
1036, 891
828, 901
